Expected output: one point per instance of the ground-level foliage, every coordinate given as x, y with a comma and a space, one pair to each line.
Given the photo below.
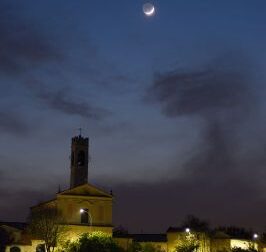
94, 242
187, 243
195, 224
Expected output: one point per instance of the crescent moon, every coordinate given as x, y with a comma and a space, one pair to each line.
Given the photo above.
149, 13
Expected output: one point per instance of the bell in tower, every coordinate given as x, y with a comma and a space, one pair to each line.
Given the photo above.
79, 161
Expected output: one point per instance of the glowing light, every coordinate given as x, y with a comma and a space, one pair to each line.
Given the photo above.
255, 236
148, 9
81, 210
187, 230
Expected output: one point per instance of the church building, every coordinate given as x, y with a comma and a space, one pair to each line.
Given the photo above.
84, 207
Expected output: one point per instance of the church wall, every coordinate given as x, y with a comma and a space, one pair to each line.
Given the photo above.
26, 248
244, 244
23, 248
100, 210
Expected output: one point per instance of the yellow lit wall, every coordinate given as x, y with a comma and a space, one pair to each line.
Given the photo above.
244, 244
100, 209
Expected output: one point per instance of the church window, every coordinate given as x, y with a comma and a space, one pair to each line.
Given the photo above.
15, 249
81, 158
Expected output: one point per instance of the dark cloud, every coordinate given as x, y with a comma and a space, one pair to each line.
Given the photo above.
62, 100
25, 47
23, 44
217, 171
59, 101
222, 84
221, 95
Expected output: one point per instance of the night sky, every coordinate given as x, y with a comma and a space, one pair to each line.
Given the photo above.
174, 106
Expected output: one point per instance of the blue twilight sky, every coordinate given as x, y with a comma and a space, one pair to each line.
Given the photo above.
173, 105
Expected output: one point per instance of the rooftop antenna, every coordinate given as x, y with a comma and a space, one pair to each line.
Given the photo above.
80, 131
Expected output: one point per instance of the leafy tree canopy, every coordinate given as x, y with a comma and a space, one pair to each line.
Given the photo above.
94, 242
44, 223
187, 243
195, 224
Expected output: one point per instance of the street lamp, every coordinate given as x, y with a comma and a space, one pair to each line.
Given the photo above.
187, 230
86, 211
255, 236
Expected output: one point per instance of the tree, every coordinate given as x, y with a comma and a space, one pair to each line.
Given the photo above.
44, 224
198, 234
135, 247
94, 242
187, 243
195, 224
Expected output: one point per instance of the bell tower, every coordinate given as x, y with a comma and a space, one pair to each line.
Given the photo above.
79, 161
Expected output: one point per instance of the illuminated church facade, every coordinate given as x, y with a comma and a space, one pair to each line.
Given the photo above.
84, 207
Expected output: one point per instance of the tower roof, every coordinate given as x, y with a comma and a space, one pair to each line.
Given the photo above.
80, 140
